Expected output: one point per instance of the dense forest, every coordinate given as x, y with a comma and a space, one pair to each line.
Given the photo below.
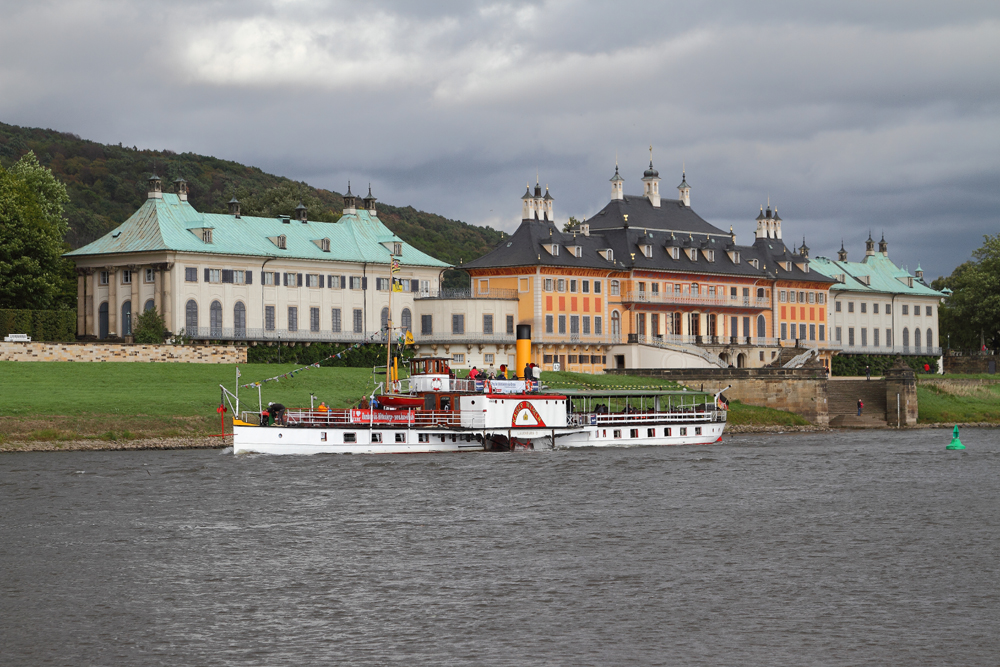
107, 183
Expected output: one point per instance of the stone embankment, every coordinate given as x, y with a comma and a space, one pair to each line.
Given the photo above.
196, 354
106, 445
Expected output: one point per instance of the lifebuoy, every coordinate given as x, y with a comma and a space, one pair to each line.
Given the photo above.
436, 384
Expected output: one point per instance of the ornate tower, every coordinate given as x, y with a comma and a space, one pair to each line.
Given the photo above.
651, 182
684, 190
350, 201
869, 246
617, 185
842, 254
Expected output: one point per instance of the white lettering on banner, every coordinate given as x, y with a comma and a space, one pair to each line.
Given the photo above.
381, 416
504, 386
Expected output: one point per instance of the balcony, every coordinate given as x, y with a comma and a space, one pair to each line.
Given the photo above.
904, 350
675, 299
283, 335
676, 339
471, 338
462, 293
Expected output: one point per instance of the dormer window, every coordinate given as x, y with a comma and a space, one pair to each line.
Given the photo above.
788, 266
553, 250
675, 253
397, 249
206, 235
735, 256
607, 254
282, 242
709, 255
324, 245
692, 253
647, 250
754, 263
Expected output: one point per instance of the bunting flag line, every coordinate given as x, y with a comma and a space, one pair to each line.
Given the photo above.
292, 373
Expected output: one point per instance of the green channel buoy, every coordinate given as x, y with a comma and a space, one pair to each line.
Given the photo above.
955, 442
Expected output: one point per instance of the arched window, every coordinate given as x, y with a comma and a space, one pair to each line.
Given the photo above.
240, 320
906, 337
149, 305
916, 338
191, 318
215, 318
615, 288
102, 320
930, 338
127, 318
761, 327
760, 292
616, 325
694, 323
407, 320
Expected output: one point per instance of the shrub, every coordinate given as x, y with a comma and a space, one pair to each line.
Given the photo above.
41, 325
149, 328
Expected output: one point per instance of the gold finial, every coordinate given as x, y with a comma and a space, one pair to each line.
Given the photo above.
626, 217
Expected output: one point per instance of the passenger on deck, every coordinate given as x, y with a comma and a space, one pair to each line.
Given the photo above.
473, 373
277, 412
322, 407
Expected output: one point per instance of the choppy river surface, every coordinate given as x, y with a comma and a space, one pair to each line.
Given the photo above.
820, 549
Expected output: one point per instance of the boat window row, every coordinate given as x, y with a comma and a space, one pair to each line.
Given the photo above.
379, 437
634, 433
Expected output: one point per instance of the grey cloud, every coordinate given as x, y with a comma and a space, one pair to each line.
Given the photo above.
851, 115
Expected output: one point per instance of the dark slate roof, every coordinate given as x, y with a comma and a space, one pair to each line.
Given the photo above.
527, 246
773, 253
672, 215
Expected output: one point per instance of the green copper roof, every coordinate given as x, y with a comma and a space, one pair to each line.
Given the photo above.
169, 224
883, 275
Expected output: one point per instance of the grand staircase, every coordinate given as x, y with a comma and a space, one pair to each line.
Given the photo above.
843, 395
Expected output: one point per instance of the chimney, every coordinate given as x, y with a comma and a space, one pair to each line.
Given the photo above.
181, 188
154, 191
370, 201
585, 228
684, 190
350, 201
234, 207
300, 213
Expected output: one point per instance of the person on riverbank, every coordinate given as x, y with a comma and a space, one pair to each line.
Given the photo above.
868, 372
861, 406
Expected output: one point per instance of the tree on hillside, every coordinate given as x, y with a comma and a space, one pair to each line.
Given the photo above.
282, 200
32, 270
971, 315
571, 224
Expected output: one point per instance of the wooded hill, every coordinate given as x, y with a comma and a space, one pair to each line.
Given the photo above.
107, 183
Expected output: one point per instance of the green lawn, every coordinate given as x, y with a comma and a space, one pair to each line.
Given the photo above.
741, 414
566, 380
938, 405
163, 389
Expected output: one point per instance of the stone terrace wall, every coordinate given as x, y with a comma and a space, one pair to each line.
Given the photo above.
799, 390
197, 354
969, 364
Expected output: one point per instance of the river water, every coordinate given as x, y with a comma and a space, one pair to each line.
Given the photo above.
818, 549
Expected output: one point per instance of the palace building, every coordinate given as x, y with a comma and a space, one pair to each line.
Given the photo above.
646, 282
879, 308
231, 277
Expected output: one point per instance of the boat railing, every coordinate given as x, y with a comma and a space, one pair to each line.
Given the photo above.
680, 415
363, 417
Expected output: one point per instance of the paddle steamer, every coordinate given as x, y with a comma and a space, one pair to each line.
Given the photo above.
433, 412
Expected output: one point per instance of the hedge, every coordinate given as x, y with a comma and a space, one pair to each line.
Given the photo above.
854, 364
42, 325
368, 355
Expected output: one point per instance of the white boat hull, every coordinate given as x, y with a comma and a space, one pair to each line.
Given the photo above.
387, 440
642, 435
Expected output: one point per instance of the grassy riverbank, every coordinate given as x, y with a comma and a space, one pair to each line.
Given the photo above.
118, 402
945, 402
115, 405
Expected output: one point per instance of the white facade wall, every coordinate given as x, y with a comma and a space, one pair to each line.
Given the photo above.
857, 312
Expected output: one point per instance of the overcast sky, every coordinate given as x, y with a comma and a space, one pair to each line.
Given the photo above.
850, 115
